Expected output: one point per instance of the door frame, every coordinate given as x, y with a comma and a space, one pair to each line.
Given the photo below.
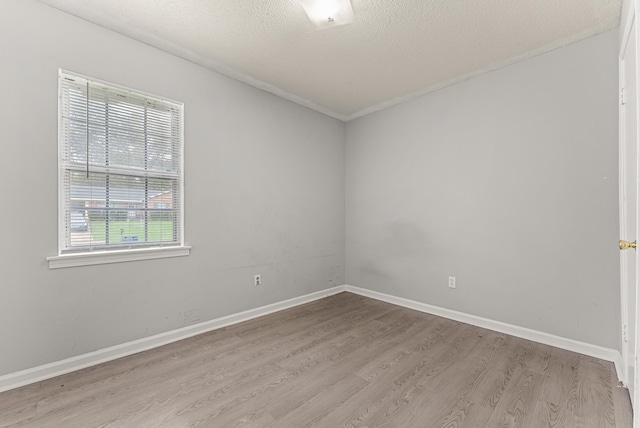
627, 22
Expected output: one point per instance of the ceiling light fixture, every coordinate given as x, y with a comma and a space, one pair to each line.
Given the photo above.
328, 13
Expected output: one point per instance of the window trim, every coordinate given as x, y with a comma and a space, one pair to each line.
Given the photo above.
69, 258
116, 256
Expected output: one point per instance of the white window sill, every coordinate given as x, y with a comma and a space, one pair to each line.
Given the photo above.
115, 256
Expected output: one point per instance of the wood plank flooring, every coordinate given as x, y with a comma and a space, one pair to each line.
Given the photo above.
343, 361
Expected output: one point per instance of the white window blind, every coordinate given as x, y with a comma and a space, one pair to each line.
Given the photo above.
121, 175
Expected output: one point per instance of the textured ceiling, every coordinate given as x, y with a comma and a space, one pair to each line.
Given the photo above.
395, 49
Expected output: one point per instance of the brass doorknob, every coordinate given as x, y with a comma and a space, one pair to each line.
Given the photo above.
625, 245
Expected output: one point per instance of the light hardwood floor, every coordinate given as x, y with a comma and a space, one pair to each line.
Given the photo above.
343, 361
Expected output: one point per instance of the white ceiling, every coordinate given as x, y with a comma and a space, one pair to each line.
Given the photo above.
395, 49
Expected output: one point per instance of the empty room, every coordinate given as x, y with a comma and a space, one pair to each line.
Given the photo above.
332, 213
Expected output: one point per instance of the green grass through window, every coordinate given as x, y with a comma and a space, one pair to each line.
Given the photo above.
123, 231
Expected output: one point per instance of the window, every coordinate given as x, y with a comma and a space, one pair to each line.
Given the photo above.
120, 170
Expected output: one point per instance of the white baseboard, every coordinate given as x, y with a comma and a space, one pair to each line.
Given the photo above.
537, 336
46, 371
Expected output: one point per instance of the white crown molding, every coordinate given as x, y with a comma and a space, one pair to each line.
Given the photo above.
220, 68
153, 40
479, 72
164, 45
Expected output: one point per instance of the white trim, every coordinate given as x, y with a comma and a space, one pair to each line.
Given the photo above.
628, 310
164, 45
115, 256
619, 366
175, 248
606, 354
626, 23
557, 44
624, 318
47, 371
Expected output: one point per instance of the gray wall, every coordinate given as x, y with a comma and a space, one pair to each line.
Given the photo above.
264, 194
507, 181
499, 181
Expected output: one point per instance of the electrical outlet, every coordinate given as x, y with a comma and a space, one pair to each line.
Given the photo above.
452, 282
257, 280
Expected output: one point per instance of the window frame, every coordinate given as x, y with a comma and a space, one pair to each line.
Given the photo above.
69, 257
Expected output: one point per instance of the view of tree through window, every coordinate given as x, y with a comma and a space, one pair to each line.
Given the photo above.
121, 167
